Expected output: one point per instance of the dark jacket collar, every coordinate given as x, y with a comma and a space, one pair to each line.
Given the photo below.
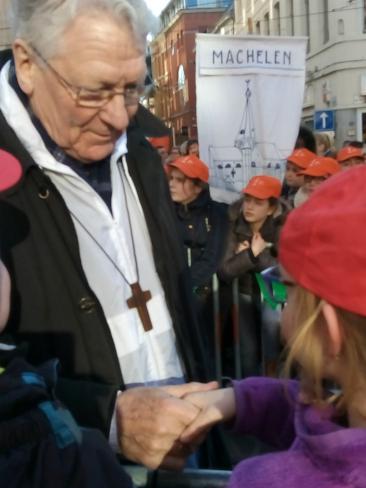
202, 201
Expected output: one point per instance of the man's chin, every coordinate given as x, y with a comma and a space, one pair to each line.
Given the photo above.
94, 153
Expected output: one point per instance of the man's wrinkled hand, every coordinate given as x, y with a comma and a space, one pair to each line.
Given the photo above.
215, 406
151, 420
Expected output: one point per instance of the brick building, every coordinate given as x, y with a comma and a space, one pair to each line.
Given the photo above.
173, 61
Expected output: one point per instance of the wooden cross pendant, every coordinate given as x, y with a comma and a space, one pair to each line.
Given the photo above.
138, 300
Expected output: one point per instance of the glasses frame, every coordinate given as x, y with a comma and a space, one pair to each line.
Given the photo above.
79, 95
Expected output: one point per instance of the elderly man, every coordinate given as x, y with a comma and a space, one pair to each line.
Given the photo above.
98, 277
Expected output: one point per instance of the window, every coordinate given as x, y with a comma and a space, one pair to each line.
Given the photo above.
290, 9
258, 27
307, 23
340, 27
266, 24
277, 19
326, 22
181, 76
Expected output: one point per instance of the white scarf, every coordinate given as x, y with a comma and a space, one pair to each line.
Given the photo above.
144, 357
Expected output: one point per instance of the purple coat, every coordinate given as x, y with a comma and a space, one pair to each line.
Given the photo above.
315, 451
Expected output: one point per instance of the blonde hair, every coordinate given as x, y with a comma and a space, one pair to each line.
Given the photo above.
323, 139
307, 344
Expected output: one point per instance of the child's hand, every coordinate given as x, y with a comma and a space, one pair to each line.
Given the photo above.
216, 406
242, 246
258, 244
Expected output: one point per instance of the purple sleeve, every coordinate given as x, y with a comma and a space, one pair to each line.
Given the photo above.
265, 409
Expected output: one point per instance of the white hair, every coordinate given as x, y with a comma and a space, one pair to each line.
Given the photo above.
42, 23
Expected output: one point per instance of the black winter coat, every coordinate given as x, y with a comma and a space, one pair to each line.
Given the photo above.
40, 444
203, 225
53, 308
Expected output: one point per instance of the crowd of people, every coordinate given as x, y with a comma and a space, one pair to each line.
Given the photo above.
107, 259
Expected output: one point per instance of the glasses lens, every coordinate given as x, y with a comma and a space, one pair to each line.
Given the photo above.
90, 98
96, 99
132, 95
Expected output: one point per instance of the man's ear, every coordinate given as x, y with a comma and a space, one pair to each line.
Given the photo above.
334, 334
24, 65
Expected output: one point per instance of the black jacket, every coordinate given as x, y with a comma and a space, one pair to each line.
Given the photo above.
40, 443
53, 308
203, 224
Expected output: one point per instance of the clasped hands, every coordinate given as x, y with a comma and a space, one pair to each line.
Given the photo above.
257, 245
160, 427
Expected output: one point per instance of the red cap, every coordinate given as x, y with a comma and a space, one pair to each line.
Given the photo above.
10, 170
322, 166
349, 152
192, 167
163, 141
322, 244
301, 157
263, 187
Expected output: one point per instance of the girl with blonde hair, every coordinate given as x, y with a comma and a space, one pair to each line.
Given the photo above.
320, 432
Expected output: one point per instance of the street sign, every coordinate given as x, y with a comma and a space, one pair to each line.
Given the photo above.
324, 120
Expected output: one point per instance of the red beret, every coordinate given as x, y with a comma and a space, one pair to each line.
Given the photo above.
323, 243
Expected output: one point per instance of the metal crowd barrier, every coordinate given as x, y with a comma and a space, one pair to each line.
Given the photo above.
189, 478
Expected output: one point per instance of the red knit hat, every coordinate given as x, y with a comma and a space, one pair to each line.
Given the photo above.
301, 157
349, 152
263, 187
192, 167
10, 170
322, 166
322, 244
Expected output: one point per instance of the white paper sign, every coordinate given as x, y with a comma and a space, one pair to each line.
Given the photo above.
249, 99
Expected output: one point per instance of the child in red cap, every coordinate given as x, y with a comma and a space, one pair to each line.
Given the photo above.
297, 161
319, 433
319, 170
350, 156
202, 222
255, 223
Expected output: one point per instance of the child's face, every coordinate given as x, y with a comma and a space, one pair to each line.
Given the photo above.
292, 177
349, 163
312, 182
4, 295
182, 189
256, 210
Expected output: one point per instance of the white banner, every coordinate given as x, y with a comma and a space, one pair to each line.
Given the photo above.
249, 99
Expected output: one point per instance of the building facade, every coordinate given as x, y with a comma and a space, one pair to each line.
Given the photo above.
335, 92
173, 61
5, 37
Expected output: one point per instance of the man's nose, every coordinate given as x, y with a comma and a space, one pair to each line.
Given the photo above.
115, 114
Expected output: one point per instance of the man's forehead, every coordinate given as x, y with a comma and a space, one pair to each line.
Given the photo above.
88, 33
101, 50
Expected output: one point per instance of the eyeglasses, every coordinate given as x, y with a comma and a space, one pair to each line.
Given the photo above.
85, 97
272, 287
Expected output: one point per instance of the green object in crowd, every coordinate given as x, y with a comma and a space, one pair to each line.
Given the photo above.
273, 292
